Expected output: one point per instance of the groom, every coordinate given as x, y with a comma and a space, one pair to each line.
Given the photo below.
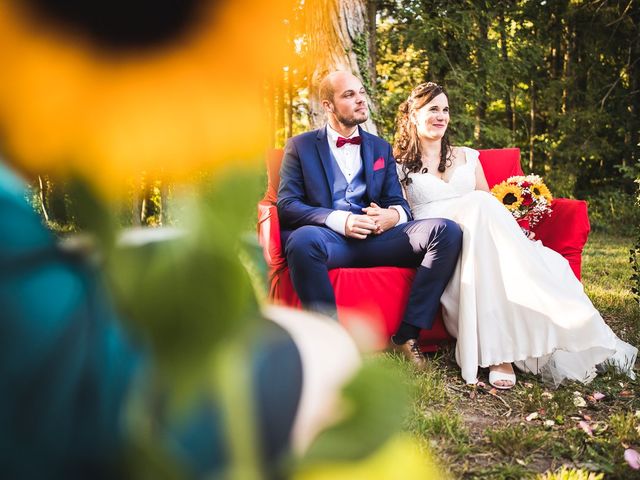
340, 205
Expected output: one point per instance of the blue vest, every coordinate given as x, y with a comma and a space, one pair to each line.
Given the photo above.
348, 196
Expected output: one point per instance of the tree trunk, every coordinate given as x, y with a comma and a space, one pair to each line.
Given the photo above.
137, 207
269, 106
42, 196
532, 124
634, 75
372, 11
164, 204
508, 84
337, 32
481, 108
290, 97
279, 111
566, 67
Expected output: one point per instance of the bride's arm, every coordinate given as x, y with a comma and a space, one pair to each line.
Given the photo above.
481, 180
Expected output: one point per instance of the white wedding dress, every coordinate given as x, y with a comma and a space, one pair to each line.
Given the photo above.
511, 299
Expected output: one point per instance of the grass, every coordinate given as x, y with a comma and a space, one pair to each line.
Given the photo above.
534, 431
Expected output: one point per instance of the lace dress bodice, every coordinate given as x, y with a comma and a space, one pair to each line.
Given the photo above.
426, 188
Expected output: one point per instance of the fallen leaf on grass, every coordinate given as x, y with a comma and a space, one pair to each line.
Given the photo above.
633, 458
531, 416
626, 393
578, 401
585, 427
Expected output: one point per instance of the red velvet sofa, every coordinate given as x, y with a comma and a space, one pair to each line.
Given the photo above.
380, 293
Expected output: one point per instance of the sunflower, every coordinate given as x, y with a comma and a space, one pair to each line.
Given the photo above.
539, 190
509, 195
167, 88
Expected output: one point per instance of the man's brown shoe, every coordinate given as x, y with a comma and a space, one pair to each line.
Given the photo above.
411, 351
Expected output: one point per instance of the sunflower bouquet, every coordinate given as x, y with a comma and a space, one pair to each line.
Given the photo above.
526, 197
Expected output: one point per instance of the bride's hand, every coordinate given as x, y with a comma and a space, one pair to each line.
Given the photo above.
529, 234
385, 218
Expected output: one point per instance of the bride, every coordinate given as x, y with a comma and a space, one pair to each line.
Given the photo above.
510, 300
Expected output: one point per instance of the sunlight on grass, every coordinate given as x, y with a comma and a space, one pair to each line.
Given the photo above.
465, 430
480, 433
517, 441
606, 275
571, 474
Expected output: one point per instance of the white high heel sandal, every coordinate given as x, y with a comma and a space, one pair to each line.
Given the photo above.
495, 376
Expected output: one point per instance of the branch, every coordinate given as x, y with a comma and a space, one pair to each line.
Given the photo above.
623, 14
613, 85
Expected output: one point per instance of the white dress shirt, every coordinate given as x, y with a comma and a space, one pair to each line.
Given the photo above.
350, 162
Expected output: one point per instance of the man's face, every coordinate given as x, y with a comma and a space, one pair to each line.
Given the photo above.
349, 101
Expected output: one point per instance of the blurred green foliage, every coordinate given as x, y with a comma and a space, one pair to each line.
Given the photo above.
189, 298
374, 404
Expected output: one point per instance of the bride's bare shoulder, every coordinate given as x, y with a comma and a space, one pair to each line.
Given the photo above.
462, 155
458, 155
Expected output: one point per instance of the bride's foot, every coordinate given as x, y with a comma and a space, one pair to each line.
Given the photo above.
502, 376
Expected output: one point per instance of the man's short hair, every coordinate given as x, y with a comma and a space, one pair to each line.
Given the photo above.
326, 89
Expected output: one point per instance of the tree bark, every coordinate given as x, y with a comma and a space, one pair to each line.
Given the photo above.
532, 124
566, 67
634, 75
508, 84
481, 108
337, 32
42, 196
290, 97
280, 111
372, 11
269, 106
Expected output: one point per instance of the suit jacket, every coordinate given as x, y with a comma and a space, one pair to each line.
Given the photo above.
307, 179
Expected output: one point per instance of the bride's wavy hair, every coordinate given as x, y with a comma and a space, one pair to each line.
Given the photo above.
406, 147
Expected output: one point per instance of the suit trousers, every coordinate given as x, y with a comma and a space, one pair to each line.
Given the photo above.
432, 245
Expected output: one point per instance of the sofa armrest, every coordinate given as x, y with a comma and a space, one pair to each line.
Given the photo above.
269, 235
566, 230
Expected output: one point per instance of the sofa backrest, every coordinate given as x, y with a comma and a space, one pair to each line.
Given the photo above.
498, 164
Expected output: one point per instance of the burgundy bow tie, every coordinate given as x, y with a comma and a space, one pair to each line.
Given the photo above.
353, 140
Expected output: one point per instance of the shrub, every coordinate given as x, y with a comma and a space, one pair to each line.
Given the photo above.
634, 257
614, 212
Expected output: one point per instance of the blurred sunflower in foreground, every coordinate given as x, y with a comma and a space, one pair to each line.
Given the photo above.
111, 88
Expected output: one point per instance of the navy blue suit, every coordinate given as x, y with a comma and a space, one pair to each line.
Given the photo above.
305, 200
306, 178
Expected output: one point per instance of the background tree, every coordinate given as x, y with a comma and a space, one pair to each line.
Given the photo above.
558, 79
